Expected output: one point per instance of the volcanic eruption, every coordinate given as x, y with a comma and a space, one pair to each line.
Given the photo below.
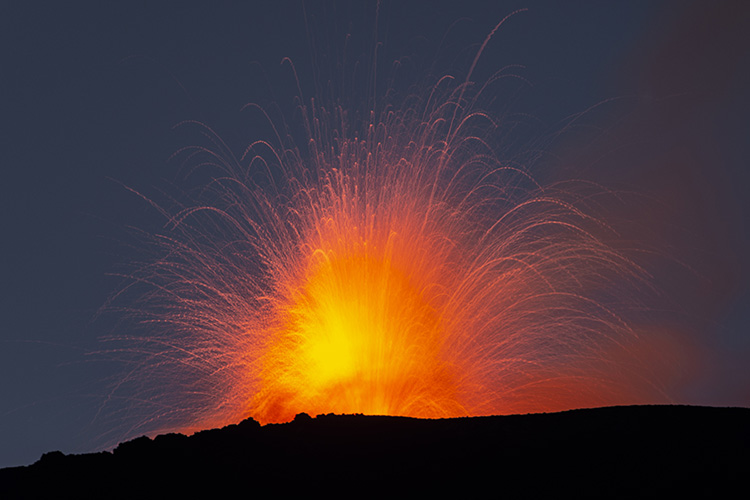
392, 261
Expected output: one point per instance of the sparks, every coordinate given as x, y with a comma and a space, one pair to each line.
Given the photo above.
395, 265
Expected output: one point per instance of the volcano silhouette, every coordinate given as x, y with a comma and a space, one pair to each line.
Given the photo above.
614, 451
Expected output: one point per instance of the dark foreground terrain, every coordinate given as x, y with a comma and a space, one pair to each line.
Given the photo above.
619, 451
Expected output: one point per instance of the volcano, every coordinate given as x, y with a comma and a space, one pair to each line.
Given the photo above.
611, 451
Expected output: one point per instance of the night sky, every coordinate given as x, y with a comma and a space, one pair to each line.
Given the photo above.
91, 94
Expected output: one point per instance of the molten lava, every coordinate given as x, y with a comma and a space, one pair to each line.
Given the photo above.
398, 266
362, 327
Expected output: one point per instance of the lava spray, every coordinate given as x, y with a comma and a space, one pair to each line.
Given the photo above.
390, 262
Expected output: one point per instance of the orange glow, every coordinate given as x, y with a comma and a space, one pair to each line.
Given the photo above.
363, 332
397, 294
399, 266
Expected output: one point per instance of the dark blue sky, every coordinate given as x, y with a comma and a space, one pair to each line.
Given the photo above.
91, 92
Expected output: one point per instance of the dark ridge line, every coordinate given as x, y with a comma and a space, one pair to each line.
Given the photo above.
612, 451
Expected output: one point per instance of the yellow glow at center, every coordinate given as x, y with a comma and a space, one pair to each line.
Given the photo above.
361, 337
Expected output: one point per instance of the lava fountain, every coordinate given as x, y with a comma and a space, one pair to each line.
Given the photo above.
395, 264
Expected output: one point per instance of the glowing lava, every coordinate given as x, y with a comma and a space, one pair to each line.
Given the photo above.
361, 325
399, 266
